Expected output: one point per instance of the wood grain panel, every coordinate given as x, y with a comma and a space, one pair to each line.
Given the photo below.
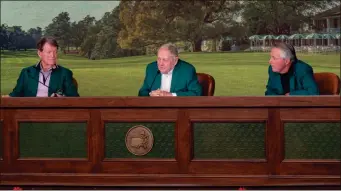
250, 167
183, 144
236, 114
165, 180
130, 115
172, 102
310, 167
310, 114
52, 115
51, 166
274, 141
140, 166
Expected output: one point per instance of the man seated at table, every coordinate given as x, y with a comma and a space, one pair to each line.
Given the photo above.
46, 78
170, 76
288, 75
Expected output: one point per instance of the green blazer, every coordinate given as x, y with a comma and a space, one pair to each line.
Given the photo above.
27, 84
184, 80
302, 81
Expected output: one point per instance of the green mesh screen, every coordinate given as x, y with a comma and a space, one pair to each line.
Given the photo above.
312, 140
53, 140
229, 140
163, 134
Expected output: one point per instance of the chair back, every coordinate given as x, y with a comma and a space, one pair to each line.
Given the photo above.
207, 82
74, 81
328, 83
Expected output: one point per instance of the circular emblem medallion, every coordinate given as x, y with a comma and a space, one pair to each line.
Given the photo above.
139, 140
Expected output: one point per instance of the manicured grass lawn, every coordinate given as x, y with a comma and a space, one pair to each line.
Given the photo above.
236, 74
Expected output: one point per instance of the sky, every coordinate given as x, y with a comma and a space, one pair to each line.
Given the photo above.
32, 14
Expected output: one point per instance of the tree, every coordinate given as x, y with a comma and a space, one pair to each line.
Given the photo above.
101, 39
60, 28
156, 22
35, 33
89, 42
79, 30
99, 42
15, 37
281, 16
4, 36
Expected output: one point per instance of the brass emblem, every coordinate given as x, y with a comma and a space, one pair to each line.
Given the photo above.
139, 140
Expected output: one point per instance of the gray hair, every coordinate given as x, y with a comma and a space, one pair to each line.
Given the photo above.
171, 48
287, 51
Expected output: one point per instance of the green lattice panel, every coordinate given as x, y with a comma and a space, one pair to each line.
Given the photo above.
163, 147
312, 140
52, 140
229, 140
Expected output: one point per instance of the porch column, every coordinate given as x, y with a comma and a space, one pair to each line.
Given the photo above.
328, 25
328, 30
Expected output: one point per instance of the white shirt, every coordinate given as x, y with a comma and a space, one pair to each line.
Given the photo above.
166, 82
43, 90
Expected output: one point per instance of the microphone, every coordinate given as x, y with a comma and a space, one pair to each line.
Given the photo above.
157, 73
59, 91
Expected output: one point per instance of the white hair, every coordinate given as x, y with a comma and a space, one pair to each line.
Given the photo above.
286, 52
171, 48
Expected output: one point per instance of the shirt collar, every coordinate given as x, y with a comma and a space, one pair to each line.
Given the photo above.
170, 72
39, 64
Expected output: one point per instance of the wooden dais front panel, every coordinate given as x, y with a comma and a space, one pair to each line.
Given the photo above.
201, 141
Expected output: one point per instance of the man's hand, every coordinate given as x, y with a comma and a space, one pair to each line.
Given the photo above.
56, 95
159, 92
165, 93
287, 94
155, 93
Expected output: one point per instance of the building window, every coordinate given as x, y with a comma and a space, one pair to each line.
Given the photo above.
336, 23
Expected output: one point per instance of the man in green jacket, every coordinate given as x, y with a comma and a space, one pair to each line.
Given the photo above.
170, 76
288, 75
46, 78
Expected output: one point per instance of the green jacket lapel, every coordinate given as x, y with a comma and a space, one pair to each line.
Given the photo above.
292, 77
175, 73
34, 73
54, 81
292, 83
157, 82
278, 82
